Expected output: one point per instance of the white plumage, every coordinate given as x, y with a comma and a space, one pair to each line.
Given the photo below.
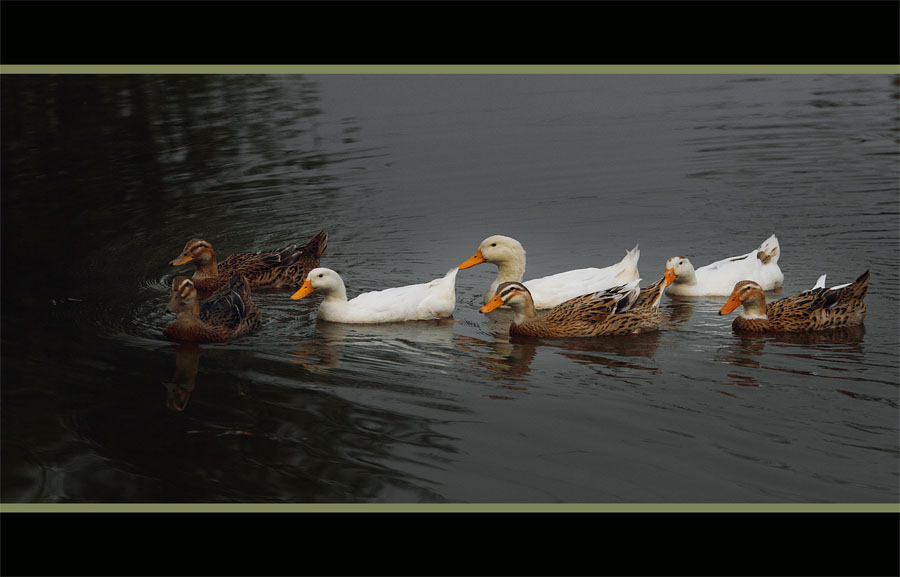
718, 278
547, 292
425, 301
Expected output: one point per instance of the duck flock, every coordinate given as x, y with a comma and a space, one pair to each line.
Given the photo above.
588, 302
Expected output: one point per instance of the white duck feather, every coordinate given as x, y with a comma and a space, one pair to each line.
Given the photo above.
425, 301
821, 284
719, 278
508, 255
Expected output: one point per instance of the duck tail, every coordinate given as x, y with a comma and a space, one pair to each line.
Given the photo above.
849, 292
449, 277
316, 245
769, 251
861, 285
630, 263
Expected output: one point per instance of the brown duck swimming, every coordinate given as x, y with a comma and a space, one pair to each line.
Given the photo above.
227, 314
817, 309
622, 310
284, 268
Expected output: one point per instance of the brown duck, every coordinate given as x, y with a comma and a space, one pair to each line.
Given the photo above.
816, 309
227, 314
284, 268
622, 310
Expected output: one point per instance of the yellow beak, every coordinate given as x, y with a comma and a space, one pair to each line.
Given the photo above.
185, 258
492, 304
733, 302
670, 276
477, 258
304, 290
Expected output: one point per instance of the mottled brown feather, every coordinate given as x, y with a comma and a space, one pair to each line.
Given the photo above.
609, 312
813, 310
227, 314
285, 268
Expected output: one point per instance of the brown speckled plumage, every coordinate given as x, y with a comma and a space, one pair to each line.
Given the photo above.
285, 268
227, 314
622, 310
765, 256
813, 310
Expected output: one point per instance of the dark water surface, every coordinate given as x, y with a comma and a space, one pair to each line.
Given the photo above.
104, 178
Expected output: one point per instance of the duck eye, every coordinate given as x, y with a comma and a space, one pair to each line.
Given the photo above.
493, 244
321, 275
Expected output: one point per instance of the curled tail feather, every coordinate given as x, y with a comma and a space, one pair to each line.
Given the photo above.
769, 251
316, 245
862, 284
630, 261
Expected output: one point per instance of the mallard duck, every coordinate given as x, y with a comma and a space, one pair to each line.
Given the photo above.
431, 300
276, 269
622, 310
227, 314
816, 309
547, 292
718, 278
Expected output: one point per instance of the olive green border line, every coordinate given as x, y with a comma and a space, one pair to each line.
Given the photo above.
449, 508
447, 69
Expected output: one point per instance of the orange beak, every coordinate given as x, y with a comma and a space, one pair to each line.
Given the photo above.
733, 302
185, 258
492, 304
477, 258
304, 290
670, 276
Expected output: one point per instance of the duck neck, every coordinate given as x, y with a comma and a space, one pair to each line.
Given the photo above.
206, 266
754, 308
523, 311
335, 294
507, 271
510, 270
689, 276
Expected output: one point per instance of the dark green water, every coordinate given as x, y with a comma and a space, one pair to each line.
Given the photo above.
104, 178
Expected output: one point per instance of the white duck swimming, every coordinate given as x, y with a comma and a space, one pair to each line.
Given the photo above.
431, 300
719, 278
547, 292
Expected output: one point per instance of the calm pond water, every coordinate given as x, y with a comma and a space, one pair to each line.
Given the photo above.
104, 178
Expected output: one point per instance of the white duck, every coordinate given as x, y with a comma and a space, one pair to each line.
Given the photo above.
719, 278
547, 292
431, 300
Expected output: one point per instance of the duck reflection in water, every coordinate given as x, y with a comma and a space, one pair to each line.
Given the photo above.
187, 364
613, 352
425, 341
676, 311
844, 343
507, 357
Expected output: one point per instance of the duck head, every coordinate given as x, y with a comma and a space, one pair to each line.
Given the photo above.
183, 296
516, 296
498, 250
323, 280
749, 294
197, 250
679, 268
